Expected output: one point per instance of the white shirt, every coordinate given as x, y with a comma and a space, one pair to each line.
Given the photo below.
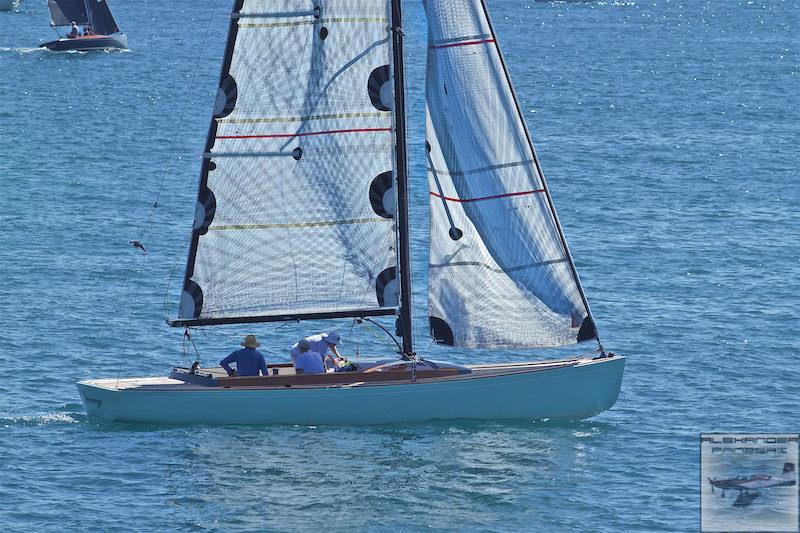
310, 362
318, 344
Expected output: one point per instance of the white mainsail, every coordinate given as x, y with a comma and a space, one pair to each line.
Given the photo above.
295, 213
500, 274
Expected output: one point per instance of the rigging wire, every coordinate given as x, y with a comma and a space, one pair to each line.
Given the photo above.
145, 234
172, 270
385, 330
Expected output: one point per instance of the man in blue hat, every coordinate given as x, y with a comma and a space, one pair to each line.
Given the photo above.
321, 344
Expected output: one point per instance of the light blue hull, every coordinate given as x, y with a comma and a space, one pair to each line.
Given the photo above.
568, 392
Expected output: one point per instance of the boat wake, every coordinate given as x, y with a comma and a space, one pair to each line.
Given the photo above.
70, 413
41, 420
20, 50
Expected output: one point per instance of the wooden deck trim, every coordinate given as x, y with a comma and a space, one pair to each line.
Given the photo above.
334, 378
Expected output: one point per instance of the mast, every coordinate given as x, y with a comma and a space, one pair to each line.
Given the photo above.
402, 180
561, 235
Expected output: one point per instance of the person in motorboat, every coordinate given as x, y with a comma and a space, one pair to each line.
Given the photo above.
309, 361
73, 30
249, 361
321, 344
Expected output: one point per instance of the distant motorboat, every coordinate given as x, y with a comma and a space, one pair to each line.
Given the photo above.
105, 34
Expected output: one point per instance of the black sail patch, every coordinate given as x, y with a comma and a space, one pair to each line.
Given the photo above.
441, 331
587, 331
386, 287
380, 88
204, 210
226, 97
191, 300
381, 195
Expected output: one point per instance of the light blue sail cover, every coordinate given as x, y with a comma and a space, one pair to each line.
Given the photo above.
499, 274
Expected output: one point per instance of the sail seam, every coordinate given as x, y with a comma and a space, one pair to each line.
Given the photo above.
482, 169
270, 120
467, 43
298, 224
477, 37
342, 20
494, 197
304, 134
216, 155
499, 270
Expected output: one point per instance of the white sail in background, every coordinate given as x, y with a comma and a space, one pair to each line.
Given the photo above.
296, 202
500, 275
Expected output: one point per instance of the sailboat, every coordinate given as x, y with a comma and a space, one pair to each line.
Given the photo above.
96, 14
7, 5
302, 213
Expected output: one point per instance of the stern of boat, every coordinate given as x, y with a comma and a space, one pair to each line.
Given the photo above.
99, 398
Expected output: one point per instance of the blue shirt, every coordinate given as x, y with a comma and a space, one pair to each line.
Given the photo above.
317, 344
310, 362
248, 362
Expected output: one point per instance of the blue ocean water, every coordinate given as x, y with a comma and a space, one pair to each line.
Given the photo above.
668, 131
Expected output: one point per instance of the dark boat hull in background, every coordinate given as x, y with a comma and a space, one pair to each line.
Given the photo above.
95, 42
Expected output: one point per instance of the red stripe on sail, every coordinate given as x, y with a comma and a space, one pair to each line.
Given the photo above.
466, 200
466, 43
306, 134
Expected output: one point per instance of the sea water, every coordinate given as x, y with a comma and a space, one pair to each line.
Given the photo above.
669, 134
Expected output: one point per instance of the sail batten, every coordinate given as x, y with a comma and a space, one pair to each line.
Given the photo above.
500, 273
294, 215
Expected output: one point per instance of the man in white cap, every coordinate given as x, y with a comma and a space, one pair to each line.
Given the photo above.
249, 361
321, 344
308, 362
73, 30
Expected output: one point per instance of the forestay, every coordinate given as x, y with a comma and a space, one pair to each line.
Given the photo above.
296, 202
500, 274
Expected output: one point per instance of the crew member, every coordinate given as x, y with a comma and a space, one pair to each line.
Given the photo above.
308, 361
73, 30
248, 360
321, 344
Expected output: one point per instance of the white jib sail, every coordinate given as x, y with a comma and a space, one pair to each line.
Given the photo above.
499, 274
296, 202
